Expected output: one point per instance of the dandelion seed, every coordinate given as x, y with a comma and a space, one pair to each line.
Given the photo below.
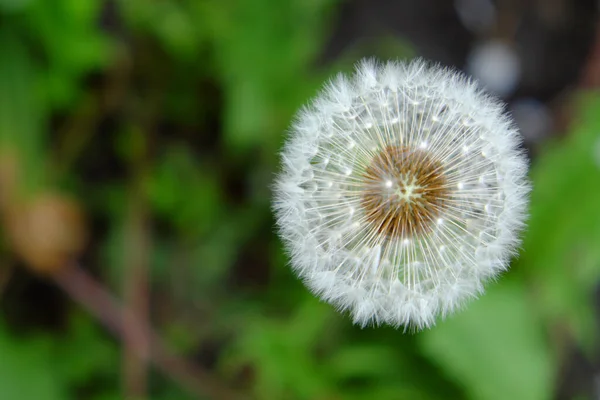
435, 182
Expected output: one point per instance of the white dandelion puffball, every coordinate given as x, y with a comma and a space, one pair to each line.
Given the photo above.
403, 191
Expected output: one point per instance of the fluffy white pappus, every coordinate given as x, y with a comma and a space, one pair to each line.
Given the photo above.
403, 191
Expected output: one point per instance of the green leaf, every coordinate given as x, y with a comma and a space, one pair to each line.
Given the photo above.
27, 370
71, 43
21, 117
9, 6
560, 250
185, 192
86, 352
365, 360
265, 50
283, 353
495, 348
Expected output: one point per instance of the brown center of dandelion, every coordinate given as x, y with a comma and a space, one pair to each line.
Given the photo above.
403, 191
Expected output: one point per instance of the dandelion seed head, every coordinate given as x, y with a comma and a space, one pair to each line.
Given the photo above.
402, 192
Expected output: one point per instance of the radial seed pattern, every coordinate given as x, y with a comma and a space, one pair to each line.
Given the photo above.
402, 192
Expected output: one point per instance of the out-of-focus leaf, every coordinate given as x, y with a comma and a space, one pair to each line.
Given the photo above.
20, 111
560, 251
496, 347
171, 22
86, 352
27, 370
71, 43
13, 5
283, 354
392, 392
264, 45
370, 360
185, 192
108, 396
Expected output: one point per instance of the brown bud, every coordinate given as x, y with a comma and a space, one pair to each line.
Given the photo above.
47, 232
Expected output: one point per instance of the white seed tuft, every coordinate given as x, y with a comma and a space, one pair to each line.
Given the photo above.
402, 193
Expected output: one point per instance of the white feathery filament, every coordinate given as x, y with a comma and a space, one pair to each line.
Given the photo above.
403, 190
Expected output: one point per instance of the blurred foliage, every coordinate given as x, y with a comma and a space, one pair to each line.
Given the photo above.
182, 105
563, 262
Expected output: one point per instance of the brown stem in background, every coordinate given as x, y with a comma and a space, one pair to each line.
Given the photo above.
135, 289
106, 308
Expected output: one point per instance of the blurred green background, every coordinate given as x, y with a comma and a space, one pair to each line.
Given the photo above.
138, 143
